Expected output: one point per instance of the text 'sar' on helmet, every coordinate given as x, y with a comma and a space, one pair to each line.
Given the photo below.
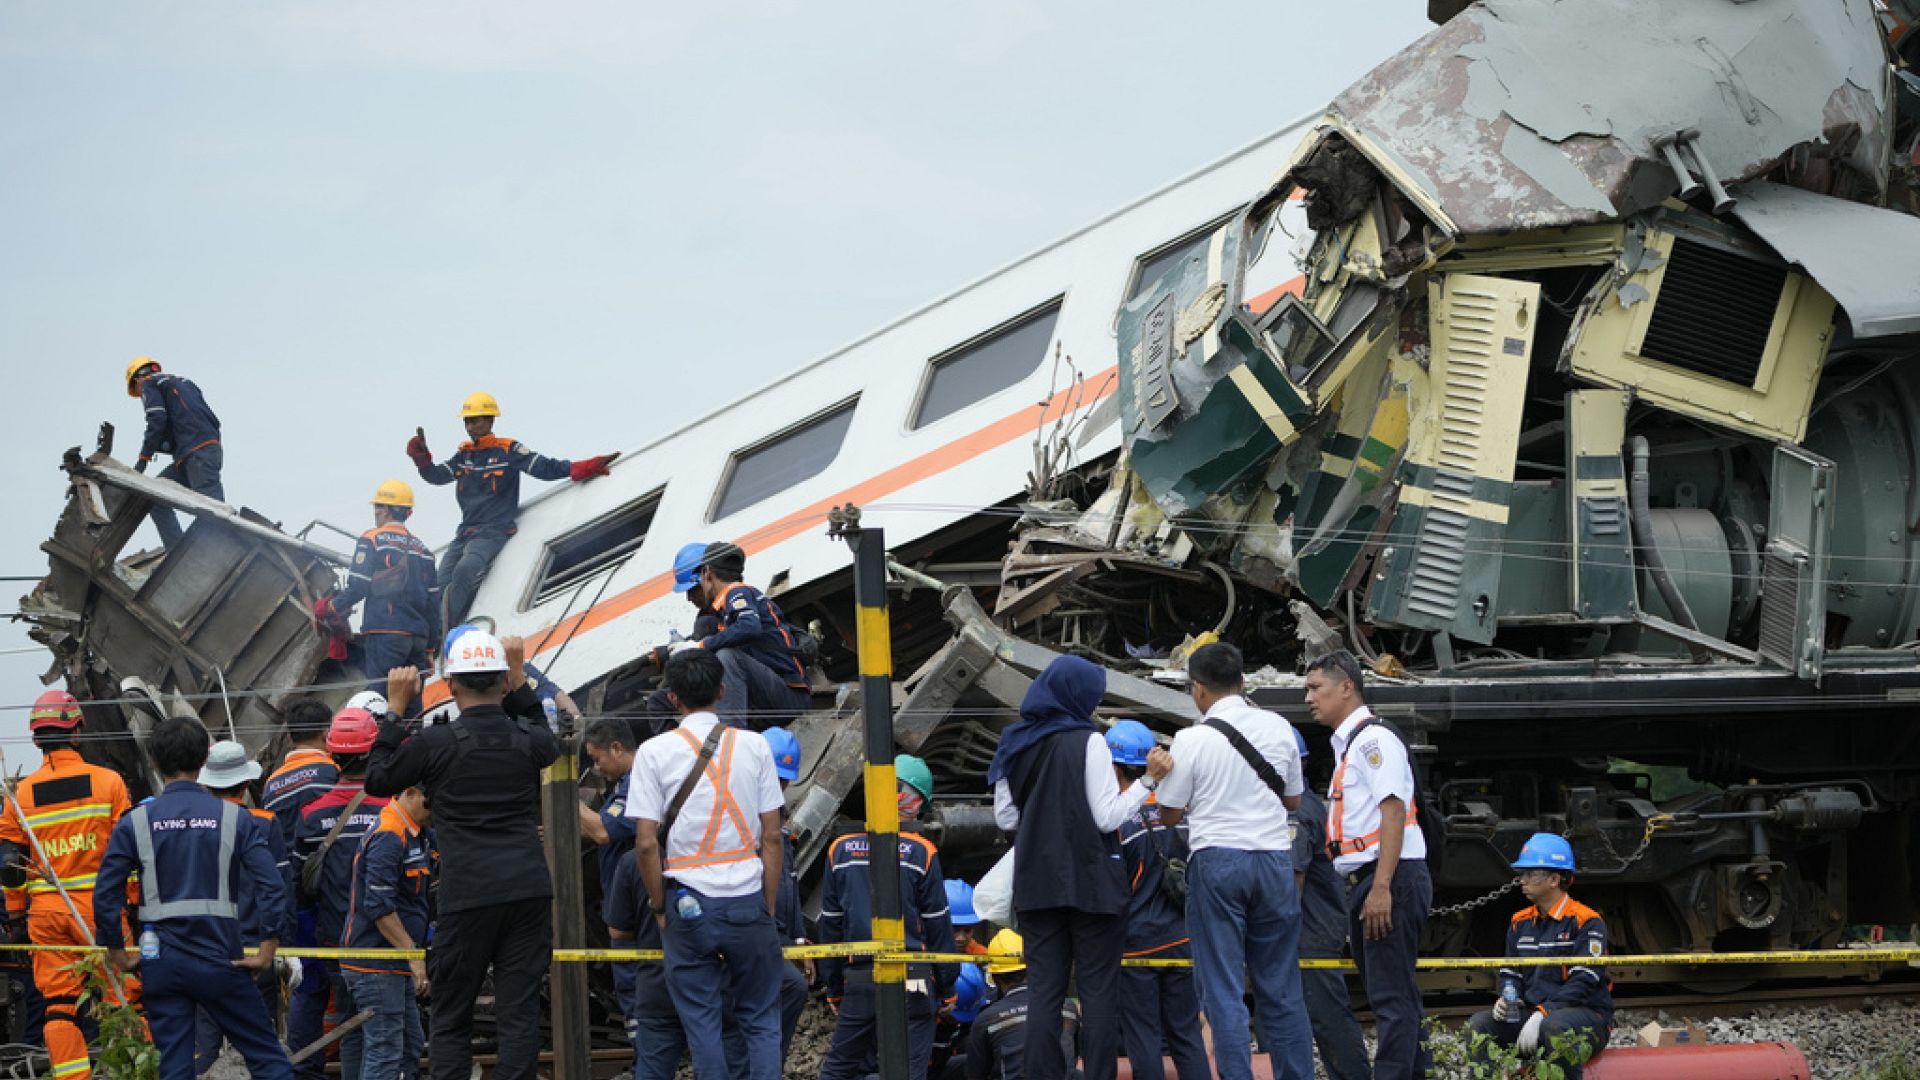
1546, 851
54, 710
960, 903
686, 565
914, 773
786, 753
1129, 741
352, 732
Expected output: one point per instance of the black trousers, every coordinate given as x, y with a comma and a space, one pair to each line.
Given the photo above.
1061, 944
515, 939
1386, 970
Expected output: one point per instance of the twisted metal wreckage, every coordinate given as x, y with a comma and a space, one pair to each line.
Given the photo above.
1566, 374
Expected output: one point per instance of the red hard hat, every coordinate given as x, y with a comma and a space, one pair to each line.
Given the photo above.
352, 732
55, 709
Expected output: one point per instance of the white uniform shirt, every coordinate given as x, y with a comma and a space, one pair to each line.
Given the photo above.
1376, 769
1227, 804
1111, 807
715, 846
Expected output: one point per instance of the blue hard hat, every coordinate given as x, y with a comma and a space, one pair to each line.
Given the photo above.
960, 903
1300, 740
969, 993
1545, 851
686, 566
786, 752
1129, 740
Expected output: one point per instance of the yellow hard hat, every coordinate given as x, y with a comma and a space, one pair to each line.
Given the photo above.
1003, 954
394, 493
479, 405
139, 364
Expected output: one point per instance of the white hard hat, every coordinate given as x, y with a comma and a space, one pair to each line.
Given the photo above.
473, 651
371, 700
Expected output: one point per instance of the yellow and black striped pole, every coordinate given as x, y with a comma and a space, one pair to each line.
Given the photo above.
875, 647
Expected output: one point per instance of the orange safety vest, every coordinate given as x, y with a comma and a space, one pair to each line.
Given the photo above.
1337, 842
725, 808
71, 807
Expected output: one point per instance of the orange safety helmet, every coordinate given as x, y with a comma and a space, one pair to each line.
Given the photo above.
139, 364
55, 709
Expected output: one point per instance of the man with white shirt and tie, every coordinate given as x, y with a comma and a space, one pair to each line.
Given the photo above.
1373, 834
1233, 778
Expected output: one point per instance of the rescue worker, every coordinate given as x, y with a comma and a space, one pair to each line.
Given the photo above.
196, 854
950, 1038
485, 472
481, 774
1159, 1007
389, 910
999, 1044
659, 1042
796, 978
1373, 834
960, 912
766, 678
305, 774
329, 833
1054, 788
179, 424
714, 884
657, 712
609, 744
392, 571
1540, 1005
846, 914
70, 807
229, 774
1323, 936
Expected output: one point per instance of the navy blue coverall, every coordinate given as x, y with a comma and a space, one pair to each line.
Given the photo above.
846, 914
1574, 996
392, 571
1159, 1007
179, 423
196, 855
485, 473
766, 684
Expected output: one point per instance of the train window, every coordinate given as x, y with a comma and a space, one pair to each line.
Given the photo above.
574, 557
986, 365
1149, 267
768, 468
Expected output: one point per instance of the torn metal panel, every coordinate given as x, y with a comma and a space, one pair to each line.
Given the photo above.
1868, 258
1509, 116
219, 621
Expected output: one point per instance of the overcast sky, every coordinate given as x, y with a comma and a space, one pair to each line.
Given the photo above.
339, 217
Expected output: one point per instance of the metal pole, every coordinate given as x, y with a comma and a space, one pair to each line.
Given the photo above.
567, 983
47, 871
875, 647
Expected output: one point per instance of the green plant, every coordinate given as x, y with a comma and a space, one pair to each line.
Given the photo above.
124, 1049
1471, 1055
1900, 1064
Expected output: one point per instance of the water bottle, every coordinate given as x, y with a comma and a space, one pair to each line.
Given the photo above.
553, 714
149, 944
687, 904
1510, 996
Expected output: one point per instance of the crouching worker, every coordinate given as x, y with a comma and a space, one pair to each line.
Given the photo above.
1562, 1011
196, 855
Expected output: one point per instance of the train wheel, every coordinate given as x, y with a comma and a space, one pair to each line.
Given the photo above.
1654, 925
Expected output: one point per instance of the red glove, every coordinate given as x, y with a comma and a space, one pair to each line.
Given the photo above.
417, 450
323, 612
582, 471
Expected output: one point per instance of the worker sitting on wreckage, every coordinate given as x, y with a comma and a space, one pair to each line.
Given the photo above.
393, 572
485, 472
765, 658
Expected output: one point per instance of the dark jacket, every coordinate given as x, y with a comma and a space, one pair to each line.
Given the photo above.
1323, 900
392, 571
625, 909
620, 832
184, 822
1062, 860
1571, 930
391, 872
303, 776
846, 907
997, 1045
178, 419
335, 888
1153, 922
481, 774
751, 622
486, 478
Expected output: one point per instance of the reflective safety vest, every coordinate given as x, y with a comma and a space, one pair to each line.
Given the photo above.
70, 807
154, 909
1338, 843
726, 810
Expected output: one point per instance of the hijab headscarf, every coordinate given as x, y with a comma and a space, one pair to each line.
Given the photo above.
1061, 699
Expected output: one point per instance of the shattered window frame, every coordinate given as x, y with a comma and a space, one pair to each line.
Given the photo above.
1192, 238
548, 583
970, 391
770, 449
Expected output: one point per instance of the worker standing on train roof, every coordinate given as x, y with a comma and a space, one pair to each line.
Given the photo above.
179, 424
767, 682
392, 570
485, 472
195, 854
1561, 1012
70, 807
228, 774
1373, 834
846, 914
